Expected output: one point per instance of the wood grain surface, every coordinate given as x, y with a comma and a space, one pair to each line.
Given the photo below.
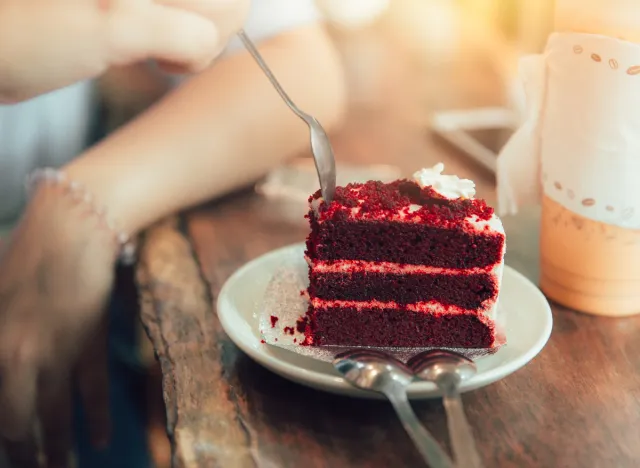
576, 405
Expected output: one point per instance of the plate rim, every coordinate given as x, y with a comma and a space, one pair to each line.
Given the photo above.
334, 383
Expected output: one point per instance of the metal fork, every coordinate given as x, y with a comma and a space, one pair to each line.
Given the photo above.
320, 145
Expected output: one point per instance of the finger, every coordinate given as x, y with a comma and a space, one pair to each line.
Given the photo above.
182, 69
228, 15
23, 454
165, 34
113, 4
172, 68
55, 412
93, 385
18, 392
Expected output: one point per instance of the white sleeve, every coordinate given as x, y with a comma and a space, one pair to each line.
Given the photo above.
268, 18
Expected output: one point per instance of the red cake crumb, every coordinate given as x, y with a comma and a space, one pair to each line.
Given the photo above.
301, 324
289, 330
262, 341
274, 320
382, 199
401, 224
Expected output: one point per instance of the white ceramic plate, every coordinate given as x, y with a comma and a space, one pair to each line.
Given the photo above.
528, 326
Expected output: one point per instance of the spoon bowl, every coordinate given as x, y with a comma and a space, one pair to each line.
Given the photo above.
373, 370
431, 365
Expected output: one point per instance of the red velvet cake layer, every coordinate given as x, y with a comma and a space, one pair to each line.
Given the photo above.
398, 242
466, 291
398, 328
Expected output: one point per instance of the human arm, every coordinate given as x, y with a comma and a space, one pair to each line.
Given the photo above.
45, 44
222, 129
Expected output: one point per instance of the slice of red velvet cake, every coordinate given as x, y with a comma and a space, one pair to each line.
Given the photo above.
412, 263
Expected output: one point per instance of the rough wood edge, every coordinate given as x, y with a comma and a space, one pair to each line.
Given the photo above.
176, 313
150, 323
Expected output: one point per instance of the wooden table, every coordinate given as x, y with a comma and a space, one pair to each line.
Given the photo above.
576, 405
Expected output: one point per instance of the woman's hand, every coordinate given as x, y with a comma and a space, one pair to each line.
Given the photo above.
49, 44
56, 273
54, 410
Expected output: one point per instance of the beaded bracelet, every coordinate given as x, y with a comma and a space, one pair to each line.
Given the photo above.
52, 176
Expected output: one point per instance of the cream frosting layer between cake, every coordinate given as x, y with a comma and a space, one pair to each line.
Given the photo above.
486, 313
352, 266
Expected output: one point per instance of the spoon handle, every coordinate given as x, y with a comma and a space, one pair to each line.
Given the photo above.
423, 440
462, 441
253, 50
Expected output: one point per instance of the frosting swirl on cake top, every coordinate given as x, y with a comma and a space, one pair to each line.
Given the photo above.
449, 186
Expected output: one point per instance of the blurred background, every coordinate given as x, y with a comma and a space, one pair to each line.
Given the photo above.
425, 77
418, 60
410, 63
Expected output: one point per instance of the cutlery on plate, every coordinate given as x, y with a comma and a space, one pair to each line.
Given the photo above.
447, 369
320, 145
379, 372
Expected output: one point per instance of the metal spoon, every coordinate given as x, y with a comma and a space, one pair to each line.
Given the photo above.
378, 372
320, 145
447, 369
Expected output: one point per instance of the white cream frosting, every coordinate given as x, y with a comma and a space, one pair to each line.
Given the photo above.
449, 186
